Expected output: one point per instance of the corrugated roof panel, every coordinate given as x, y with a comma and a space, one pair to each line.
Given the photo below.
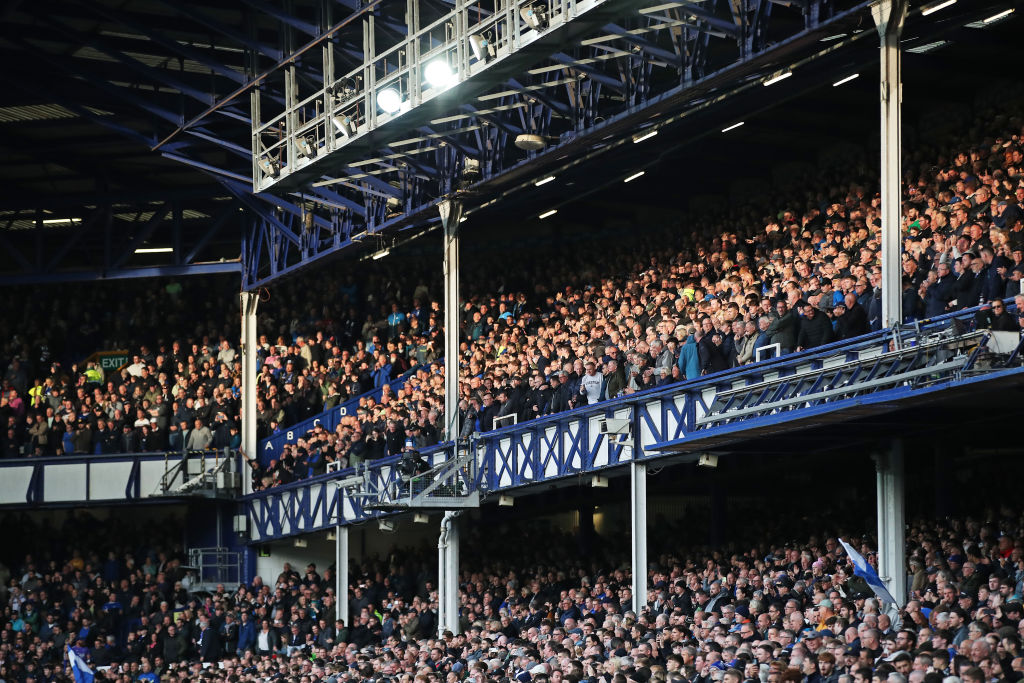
41, 112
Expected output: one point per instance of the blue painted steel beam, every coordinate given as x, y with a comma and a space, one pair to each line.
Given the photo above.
210, 168
283, 16
141, 235
233, 266
727, 27
189, 11
106, 86
153, 73
210, 233
174, 46
594, 73
645, 45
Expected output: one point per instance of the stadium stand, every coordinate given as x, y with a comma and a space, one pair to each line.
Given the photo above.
541, 611
687, 307
684, 304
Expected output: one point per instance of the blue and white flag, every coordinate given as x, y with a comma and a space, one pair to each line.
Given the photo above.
79, 669
864, 570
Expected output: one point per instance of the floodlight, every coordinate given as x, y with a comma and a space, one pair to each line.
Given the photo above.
483, 49
271, 168
438, 74
345, 125
535, 16
470, 167
305, 148
389, 100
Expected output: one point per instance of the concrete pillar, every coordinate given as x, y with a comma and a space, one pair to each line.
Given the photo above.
889, 16
249, 301
892, 568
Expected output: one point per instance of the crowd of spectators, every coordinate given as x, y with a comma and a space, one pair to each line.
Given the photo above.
703, 296
538, 611
695, 298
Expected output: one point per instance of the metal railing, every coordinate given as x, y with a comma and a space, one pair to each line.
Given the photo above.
346, 109
213, 566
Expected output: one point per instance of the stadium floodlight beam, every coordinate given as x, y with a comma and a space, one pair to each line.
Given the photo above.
544, 181
535, 17
640, 137
733, 126
841, 81
548, 214
997, 17
389, 100
345, 125
438, 74
936, 6
634, 176
778, 77
483, 49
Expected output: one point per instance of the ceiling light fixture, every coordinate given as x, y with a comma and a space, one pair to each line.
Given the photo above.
936, 6
997, 17
640, 137
548, 214
544, 181
778, 77
634, 176
733, 127
841, 81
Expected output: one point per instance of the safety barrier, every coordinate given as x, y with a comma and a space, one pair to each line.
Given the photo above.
874, 372
76, 480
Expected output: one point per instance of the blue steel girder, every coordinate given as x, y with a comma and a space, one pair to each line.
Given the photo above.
493, 119
709, 18
167, 43
155, 74
644, 45
591, 71
285, 17
117, 92
142, 235
528, 91
190, 11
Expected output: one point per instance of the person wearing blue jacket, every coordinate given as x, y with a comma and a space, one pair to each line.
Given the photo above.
246, 633
689, 358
